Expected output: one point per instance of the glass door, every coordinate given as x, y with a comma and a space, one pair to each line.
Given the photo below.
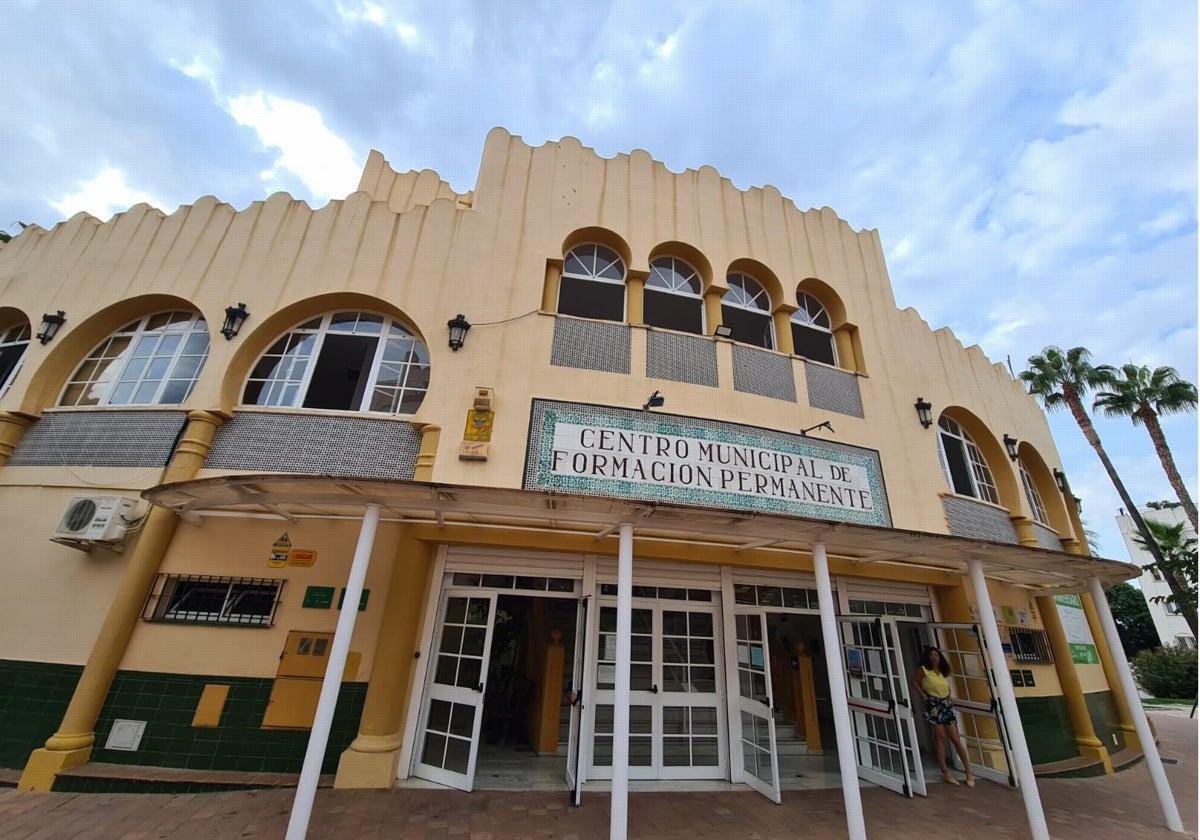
582, 656
760, 757
449, 734
981, 723
881, 716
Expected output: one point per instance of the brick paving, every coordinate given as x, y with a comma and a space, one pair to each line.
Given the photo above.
1120, 807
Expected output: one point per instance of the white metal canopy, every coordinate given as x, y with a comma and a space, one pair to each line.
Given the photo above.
294, 497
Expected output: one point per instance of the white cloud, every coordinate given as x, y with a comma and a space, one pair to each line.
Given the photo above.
308, 150
103, 196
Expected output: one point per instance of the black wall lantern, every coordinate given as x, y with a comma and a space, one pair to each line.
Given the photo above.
1010, 443
655, 400
1060, 478
924, 412
458, 331
235, 316
50, 325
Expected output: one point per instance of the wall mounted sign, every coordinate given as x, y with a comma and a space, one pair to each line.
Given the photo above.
1075, 627
279, 552
301, 557
318, 598
604, 451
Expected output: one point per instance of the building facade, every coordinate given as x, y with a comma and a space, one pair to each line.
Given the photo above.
632, 466
1172, 628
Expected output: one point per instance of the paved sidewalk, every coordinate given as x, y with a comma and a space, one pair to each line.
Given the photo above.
1120, 807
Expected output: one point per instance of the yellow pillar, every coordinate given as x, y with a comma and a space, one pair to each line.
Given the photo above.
1124, 716
431, 436
72, 744
545, 737
550, 285
370, 761
635, 286
712, 308
1023, 525
806, 700
782, 320
12, 426
1085, 732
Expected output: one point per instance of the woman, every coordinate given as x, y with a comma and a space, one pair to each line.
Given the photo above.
933, 688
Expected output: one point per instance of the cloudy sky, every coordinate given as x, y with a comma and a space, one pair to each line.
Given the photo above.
1030, 167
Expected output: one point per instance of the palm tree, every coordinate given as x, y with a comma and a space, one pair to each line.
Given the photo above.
1135, 392
1178, 566
1062, 378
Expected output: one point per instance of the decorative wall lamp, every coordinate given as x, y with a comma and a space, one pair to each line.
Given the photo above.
50, 325
1010, 444
1079, 504
458, 331
723, 331
235, 316
825, 425
924, 412
656, 400
1060, 478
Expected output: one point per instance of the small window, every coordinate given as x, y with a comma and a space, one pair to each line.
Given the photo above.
343, 361
204, 599
1030, 645
746, 310
812, 331
14, 341
1154, 572
592, 284
152, 361
1185, 641
672, 298
965, 467
1032, 494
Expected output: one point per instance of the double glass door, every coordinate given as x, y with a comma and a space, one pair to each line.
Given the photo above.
676, 711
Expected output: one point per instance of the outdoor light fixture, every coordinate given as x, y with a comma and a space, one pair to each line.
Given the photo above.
1079, 504
1060, 478
825, 425
235, 316
656, 400
1010, 443
50, 325
458, 331
924, 412
723, 331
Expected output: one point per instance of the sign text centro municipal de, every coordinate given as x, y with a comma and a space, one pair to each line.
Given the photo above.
595, 450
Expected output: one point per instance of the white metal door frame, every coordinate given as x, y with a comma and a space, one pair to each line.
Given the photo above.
755, 732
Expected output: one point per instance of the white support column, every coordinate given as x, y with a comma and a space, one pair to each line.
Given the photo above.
1008, 702
318, 739
618, 822
856, 827
1149, 749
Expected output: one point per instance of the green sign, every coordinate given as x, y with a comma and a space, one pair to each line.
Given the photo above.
362, 601
1075, 627
318, 597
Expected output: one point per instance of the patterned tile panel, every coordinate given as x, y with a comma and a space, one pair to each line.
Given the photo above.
1047, 537
681, 358
833, 389
316, 445
696, 461
100, 438
970, 518
591, 345
766, 374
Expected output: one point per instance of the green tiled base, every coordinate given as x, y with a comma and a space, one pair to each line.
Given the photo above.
1048, 729
33, 697
87, 785
1102, 709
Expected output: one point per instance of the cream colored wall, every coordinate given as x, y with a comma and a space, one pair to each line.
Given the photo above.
241, 550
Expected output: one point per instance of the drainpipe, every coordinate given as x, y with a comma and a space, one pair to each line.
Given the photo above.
856, 827
618, 824
1008, 702
310, 773
1149, 748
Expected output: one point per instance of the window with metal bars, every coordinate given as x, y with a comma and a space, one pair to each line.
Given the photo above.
204, 599
1030, 645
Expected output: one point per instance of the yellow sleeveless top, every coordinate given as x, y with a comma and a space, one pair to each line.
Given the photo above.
933, 683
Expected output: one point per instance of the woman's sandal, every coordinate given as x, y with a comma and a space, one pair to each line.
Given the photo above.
950, 780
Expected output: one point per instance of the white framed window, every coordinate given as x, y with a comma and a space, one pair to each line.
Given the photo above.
205, 599
965, 467
812, 330
592, 284
746, 309
344, 361
673, 297
155, 360
1032, 494
14, 341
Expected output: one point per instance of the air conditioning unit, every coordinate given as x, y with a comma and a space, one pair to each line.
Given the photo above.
95, 519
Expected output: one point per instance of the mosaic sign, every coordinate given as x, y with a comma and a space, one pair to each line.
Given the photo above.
602, 451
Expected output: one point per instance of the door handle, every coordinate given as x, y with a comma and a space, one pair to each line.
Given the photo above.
654, 689
480, 688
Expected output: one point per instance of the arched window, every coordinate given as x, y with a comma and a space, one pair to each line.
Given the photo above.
14, 341
345, 361
592, 284
1032, 494
965, 467
812, 332
155, 360
746, 309
672, 298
